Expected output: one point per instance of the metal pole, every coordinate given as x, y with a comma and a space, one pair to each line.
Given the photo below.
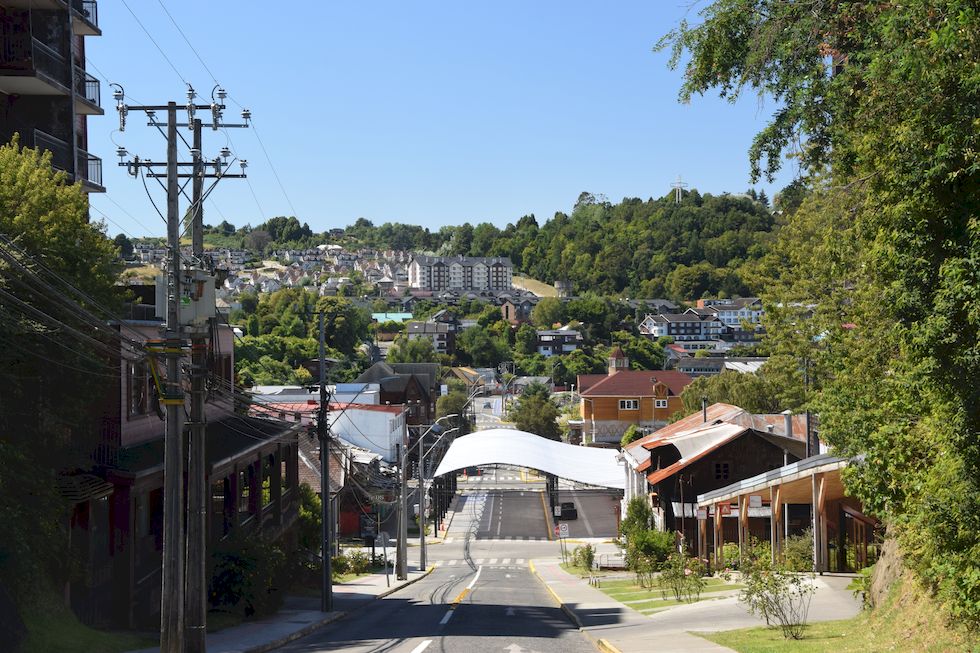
323, 432
196, 588
172, 590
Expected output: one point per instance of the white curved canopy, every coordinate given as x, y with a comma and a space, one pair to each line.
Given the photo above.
512, 447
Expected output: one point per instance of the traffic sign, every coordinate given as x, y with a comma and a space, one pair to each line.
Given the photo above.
702, 514
562, 530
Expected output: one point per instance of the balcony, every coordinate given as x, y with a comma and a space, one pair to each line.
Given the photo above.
89, 172
60, 150
85, 17
88, 94
29, 67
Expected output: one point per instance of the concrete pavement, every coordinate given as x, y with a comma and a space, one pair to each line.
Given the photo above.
617, 628
301, 616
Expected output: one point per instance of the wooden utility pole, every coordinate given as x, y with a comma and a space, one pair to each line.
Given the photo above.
172, 596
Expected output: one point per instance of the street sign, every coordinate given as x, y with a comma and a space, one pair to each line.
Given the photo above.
369, 525
384, 539
702, 514
755, 501
563, 530
557, 511
726, 509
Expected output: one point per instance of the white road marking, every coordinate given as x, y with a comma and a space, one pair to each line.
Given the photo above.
453, 562
475, 578
519, 561
446, 618
505, 561
493, 561
421, 647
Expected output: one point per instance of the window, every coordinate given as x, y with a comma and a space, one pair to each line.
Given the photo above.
138, 389
722, 471
661, 403
629, 404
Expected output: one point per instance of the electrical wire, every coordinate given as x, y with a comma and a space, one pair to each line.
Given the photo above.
186, 40
152, 40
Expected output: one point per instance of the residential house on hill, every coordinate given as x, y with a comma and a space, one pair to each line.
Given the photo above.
611, 402
412, 385
706, 451
556, 342
441, 335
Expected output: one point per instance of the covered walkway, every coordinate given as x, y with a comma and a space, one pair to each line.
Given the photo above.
588, 465
839, 525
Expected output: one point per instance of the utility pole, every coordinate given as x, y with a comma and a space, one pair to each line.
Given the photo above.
323, 432
187, 302
172, 596
401, 552
195, 617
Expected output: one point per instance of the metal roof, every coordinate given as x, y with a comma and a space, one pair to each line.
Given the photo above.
588, 465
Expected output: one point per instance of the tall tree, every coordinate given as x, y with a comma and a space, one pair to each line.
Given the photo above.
885, 95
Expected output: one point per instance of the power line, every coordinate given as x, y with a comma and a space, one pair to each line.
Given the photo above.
152, 40
186, 40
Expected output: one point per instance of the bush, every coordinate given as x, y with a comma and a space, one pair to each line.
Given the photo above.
583, 556
358, 562
683, 577
861, 586
654, 547
798, 551
777, 595
247, 576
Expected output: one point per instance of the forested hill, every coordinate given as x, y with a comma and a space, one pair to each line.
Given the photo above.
651, 248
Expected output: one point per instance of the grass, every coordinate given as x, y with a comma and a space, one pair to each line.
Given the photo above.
145, 272
909, 621
650, 600
537, 287
54, 628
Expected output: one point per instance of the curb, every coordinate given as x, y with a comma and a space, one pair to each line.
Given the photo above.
602, 644
330, 618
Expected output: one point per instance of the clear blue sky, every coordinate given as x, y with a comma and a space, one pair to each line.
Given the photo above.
428, 113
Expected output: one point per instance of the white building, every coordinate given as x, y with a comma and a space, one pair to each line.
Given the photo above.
460, 273
375, 428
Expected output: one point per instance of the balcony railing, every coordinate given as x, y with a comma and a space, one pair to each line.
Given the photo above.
87, 10
60, 150
88, 87
49, 62
89, 168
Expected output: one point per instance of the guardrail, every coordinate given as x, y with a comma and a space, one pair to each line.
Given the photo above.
88, 87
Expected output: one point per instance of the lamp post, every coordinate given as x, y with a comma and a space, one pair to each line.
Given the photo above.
423, 558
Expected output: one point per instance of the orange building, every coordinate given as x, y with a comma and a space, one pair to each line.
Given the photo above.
613, 401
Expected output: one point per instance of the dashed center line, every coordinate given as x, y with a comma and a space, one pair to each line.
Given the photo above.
421, 647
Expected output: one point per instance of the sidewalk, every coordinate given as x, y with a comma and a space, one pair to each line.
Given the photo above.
300, 616
615, 628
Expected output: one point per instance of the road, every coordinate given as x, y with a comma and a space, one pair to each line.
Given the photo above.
481, 597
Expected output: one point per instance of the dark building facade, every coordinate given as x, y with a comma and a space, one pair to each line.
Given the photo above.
46, 95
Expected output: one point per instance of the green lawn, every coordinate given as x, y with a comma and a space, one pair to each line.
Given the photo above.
650, 600
55, 629
910, 621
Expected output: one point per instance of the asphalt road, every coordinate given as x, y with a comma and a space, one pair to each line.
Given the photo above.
464, 610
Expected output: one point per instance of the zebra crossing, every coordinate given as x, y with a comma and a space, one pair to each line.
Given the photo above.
508, 563
506, 538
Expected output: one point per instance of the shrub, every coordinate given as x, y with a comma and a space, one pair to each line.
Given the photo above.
683, 577
650, 547
583, 556
861, 586
247, 576
358, 562
339, 565
777, 595
798, 551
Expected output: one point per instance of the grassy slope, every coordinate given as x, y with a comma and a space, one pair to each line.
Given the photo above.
55, 629
909, 621
537, 287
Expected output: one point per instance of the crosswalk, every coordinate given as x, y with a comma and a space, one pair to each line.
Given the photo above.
488, 562
516, 538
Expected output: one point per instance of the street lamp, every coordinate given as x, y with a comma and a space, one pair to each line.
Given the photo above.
422, 493
402, 550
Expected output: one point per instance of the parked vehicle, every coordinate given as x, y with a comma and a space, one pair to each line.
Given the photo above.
568, 511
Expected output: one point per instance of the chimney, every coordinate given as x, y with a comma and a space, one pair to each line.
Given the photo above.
788, 416
704, 409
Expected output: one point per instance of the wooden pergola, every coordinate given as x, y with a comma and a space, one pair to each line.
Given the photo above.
815, 481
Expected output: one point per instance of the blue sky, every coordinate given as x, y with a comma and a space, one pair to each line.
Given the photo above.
428, 113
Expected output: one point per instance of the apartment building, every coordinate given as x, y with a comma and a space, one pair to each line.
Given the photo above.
46, 95
460, 273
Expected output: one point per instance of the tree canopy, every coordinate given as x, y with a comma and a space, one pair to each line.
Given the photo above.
878, 296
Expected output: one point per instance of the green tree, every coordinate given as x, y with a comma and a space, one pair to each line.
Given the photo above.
536, 415
476, 346
125, 246
525, 341
49, 345
419, 350
547, 312
632, 434
882, 97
